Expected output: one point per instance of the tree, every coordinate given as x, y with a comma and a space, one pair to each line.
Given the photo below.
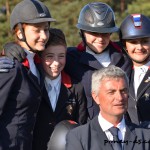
66, 13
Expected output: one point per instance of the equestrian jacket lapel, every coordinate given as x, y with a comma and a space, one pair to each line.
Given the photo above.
62, 99
144, 84
130, 137
100, 136
90, 60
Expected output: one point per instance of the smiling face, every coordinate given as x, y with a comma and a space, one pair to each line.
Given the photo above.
112, 98
53, 60
138, 50
97, 41
36, 35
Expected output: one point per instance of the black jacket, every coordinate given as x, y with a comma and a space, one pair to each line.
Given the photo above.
20, 96
91, 137
71, 105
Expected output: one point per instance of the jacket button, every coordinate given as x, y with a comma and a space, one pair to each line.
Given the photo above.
135, 107
52, 123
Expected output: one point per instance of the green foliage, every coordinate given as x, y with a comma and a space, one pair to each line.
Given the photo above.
140, 6
66, 13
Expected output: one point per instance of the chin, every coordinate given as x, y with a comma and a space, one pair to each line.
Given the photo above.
55, 75
121, 111
40, 48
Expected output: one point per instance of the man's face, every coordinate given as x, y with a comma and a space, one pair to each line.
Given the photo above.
138, 50
112, 98
97, 41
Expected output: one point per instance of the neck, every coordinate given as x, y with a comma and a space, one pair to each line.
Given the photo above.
138, 64
115, 120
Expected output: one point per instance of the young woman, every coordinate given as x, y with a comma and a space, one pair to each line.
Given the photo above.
20, 89
135, 36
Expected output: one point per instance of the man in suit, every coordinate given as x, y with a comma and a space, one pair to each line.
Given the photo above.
135, 36
110, 92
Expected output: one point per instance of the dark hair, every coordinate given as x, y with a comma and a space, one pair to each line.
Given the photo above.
57, 37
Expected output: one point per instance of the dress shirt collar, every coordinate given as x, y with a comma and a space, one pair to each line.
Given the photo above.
103, 57
105, 125
30, 55
56, 82
145, 67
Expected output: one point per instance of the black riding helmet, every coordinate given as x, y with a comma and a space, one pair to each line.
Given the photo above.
97, 17
31, 12
135, 26
58, 137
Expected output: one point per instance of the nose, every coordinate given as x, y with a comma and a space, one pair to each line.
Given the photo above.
100, 37
56, 62
44, 35
139, 46
119, 96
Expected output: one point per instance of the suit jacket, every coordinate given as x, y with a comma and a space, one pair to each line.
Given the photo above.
20, 96
139, 107
91, 137
81, 65
71, 105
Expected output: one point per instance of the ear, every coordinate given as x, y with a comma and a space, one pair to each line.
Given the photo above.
19, 35
95, 97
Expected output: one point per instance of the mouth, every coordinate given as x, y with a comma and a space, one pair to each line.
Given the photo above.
55, 69
42, 43
120, 105
100, 43
140, 52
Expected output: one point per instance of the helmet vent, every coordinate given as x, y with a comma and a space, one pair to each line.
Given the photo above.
39, 8
109, 18
89, 18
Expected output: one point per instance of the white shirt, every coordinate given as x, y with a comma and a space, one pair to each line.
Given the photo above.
103, 57
105, 125
30, 57
139, 73
53, 90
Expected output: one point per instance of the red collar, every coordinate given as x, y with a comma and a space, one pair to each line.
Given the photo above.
37, 60
81, 47
66, 80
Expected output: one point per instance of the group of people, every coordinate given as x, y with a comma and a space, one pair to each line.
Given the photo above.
101, 86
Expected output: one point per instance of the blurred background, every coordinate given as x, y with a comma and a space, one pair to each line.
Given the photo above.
66, 13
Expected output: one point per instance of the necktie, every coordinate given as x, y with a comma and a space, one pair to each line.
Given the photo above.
138, 77
33, 67
115, 144
53, 96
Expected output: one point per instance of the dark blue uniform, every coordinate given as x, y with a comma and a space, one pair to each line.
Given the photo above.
139, 107
71, 105
20, 96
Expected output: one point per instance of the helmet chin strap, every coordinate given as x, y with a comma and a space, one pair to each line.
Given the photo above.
24, 38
